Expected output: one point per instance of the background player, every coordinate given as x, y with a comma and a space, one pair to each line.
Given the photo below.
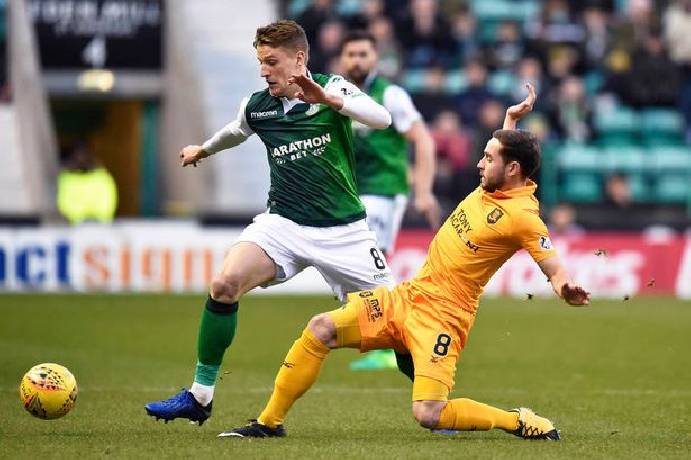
431, 315
382, 159
315, 216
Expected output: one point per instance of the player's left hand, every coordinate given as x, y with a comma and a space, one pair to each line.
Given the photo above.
428, 205
310, 91
518, 111
575, 295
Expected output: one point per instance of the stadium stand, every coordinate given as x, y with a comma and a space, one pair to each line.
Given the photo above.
613, 78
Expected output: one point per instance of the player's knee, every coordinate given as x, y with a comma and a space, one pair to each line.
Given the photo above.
324, 329
427, 412
225, 288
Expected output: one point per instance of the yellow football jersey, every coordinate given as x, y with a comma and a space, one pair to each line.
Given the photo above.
482, 233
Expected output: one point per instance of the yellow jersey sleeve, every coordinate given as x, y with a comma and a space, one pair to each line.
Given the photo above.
532, 235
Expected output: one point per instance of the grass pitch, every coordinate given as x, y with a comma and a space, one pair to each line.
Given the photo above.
615, 378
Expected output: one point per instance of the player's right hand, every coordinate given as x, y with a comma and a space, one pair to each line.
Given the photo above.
192, 155
575, 295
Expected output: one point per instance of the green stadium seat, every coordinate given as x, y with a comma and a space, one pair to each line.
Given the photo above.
414, 80
501, 82
342, 7
505, 10
617, 127
455, 82
296, 7
3, 21
348, 7
672, 189
625, 159
486, 31
671, 159
579, 157
640, 191
581, 188
660, 127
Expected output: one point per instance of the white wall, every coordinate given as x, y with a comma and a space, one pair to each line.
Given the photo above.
220, 34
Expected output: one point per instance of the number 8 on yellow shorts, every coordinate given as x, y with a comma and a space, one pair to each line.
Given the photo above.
405, 320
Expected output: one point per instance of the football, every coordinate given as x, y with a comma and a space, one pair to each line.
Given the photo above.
48, 391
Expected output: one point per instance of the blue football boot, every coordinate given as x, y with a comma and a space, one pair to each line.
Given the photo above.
182, 405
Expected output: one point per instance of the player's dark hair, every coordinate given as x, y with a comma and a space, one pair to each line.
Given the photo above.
521, 146
356, 36
283, 33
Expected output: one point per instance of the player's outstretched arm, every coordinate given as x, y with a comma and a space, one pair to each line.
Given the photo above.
345, 98
518, 111
562, 284
232, 134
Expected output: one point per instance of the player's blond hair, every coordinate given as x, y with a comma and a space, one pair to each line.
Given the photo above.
282, 34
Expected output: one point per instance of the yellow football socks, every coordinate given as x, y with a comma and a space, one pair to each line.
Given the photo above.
466, 414
298, 372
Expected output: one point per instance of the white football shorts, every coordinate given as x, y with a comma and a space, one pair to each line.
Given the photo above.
384, 217
347, 256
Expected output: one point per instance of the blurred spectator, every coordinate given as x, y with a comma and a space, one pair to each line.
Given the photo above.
490, 118
370, 11
654, 78
466, 43
389, 54
507, 50
425, 35
86, 190
537, 124
640, 17
456, 175
571, 113
556, 24
475, 94
595, 20
450, 8
561, 63
434, 99
323, 56
319, 12
529, 70
562, 222
618, 194
617, 71
556, 12
452, 141
677, 20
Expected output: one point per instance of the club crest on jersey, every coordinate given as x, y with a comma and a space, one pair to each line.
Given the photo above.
545, 243
314, 108
494, 216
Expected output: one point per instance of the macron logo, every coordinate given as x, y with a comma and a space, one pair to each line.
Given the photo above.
268, 113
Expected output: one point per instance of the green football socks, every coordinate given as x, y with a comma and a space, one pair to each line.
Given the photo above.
216, 332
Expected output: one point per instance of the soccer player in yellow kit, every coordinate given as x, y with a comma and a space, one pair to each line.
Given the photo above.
431, 315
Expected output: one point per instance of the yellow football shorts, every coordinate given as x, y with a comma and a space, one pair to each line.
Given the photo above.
403, 319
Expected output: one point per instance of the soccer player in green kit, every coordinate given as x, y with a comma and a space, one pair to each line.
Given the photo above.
314, 217
381, 158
